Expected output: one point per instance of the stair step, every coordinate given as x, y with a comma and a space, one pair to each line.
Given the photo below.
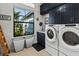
3, 43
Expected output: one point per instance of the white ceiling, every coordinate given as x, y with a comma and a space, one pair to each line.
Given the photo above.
29, 4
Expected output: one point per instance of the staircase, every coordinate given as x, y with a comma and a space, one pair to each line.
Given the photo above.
3, 43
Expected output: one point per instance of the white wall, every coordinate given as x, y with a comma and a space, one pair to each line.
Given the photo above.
37, 15
7, 9
7, 25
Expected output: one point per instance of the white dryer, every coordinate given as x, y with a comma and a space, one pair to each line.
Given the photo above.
51, 39
69, 39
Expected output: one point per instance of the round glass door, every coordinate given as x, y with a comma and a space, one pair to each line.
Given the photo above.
50, 34
70, 38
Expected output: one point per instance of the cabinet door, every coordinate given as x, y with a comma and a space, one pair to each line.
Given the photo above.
41, 38
38, 37
46, 7
67, 13
76, 13
54, 16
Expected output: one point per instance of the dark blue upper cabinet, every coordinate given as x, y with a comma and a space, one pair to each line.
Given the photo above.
62, 15
54, 16
76, 13
46, 7
65, 14
70, 13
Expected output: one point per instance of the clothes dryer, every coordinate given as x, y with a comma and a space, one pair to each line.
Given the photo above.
69, 39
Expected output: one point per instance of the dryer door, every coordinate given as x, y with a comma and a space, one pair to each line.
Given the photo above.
69, 38
50, 34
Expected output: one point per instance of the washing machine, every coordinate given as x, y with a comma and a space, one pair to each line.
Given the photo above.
51, 39
69, 39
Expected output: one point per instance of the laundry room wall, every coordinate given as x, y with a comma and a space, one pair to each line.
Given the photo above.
7, 25
40, 17
37, 15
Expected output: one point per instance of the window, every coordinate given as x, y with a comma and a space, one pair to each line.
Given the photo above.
23, 22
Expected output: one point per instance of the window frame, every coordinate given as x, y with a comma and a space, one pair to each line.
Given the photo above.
21, 22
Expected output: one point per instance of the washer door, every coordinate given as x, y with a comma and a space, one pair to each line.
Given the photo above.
69, 37
50, 34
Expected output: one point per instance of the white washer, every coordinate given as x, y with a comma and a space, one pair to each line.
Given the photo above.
69, 39
51, 39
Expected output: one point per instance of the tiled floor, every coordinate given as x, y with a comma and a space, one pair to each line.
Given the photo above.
30, 52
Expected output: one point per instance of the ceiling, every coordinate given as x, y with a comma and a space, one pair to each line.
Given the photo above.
29, 4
